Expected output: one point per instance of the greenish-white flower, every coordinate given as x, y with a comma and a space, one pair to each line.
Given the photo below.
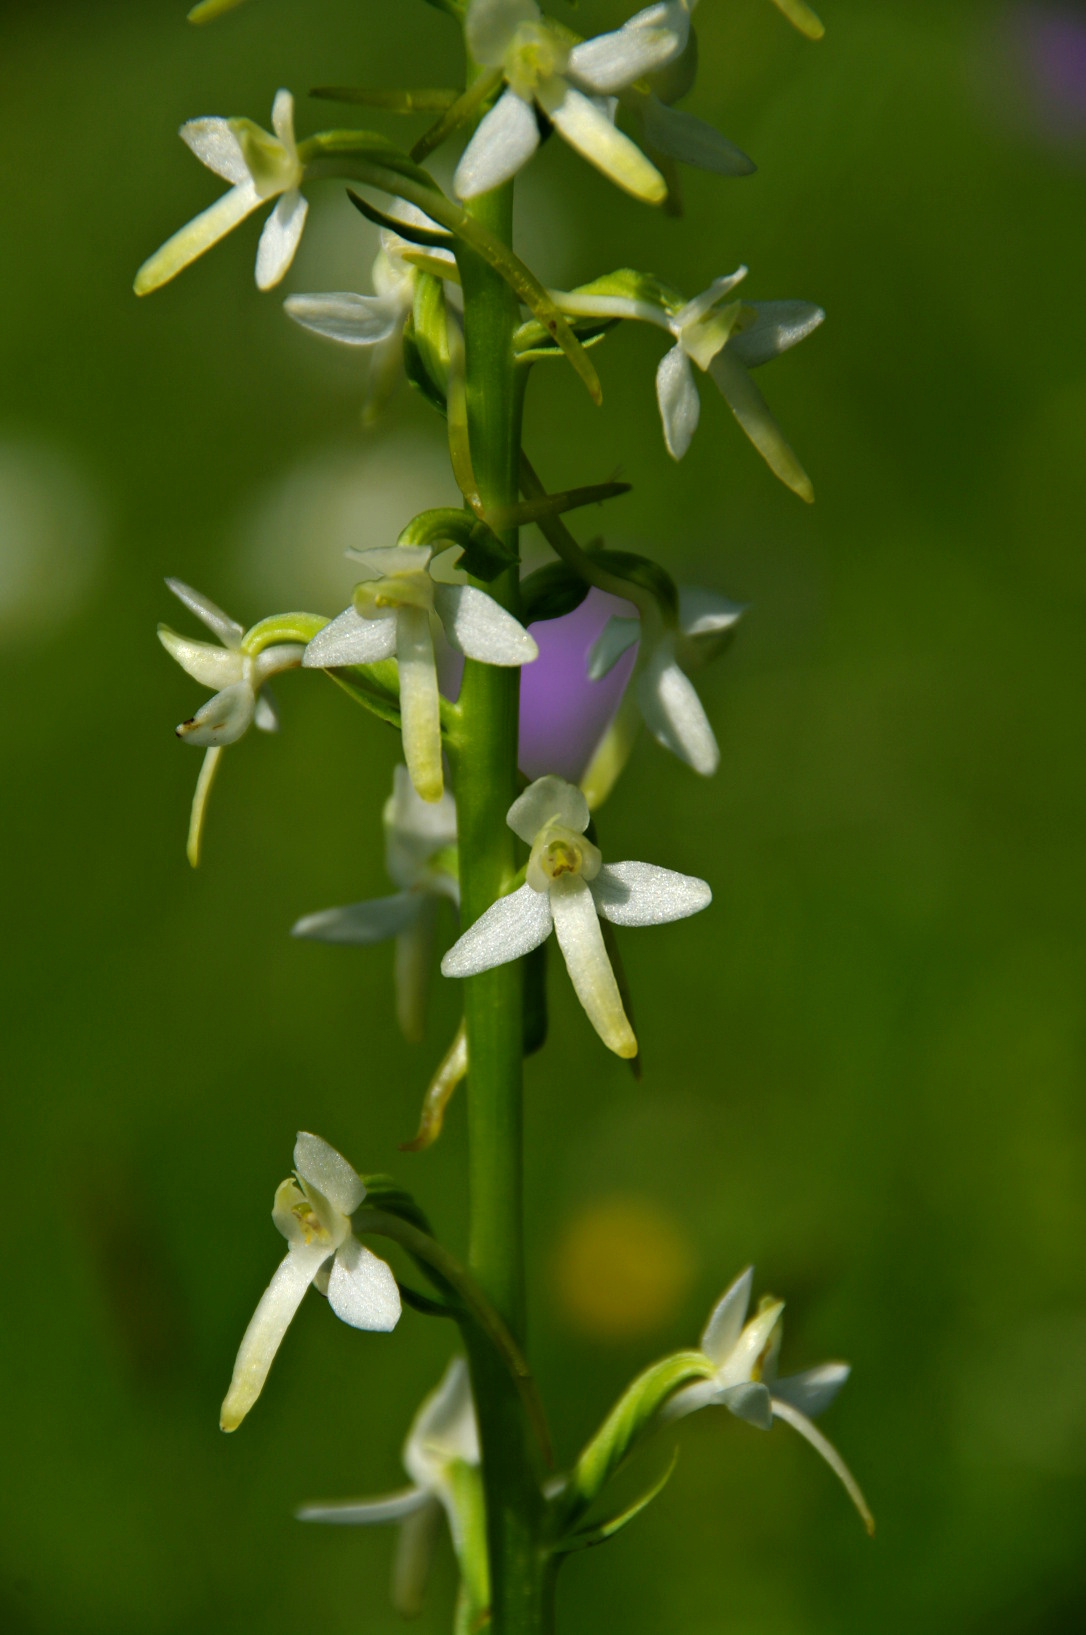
260, 167
420, 840
567, 889
391, 617
744, 1359
313, 1212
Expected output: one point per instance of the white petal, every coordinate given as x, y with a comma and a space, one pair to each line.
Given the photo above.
617, 637
505, 140
749, 1401
642, 894
283, 119
799, 1422
443, 1429
265, 714
321, 1166
195, 237
412, 961
681, 135
265, 1332
390, 559
577, 927
279, 240
215, 145
646, 43
587, 129
362, 1290
778, 326
356, 320
415, 829
208, 768
509, 928
361, 923
350, 639
705, 613
491, 24
677, 395
420, 701
366, 1512
476, 625
211, 666
674, 715
752, 412
223, 719
813, 1390
548, 800
742, 1362
700, 305
221, 625
689, 1400
726, 1319
413, 1558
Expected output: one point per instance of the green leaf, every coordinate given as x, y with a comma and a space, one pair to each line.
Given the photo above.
551, 592
461, 113
423, 1303
414, 235
356, 681
586, 1537
644, 572
393, 102
426, 342
384, 1192
485, 556
532, 343
627, 284
543, 506
416, 371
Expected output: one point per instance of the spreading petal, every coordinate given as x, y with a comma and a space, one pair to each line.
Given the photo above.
391, 1507
641, 46
279, 240
215, 145
777, 326
741, 1363
617, 637
195, 237
221, 625
420, 701
813, 1390
799, 1422
211, 666
509, 928
548, 800
677, 395
643, 894
283, 119
577, 928
208, 768
265, 714
223, 719
689, 1400
752, 412
413, 1558
491, 24
674, 715
414, 829
443, 1429
681, 135
478, 626
749, 1401
726, 1319
265, 1332
356, 320
362, 923
350, 639
588, 129
503, 143
320, 1166
362, 1290
411, 969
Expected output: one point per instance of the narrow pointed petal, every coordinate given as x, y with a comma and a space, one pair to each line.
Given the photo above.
749, 1401
393, 559
361, 923
350, 639
279, 240
390, 1507
752, 412
412, 1561
503, 143
778, 326
411, 969
699, 305
726, 1319
215, 145
321, 1166
689, 1400
223, 719
283, 118
705, 613
210, 665
221, 625
414, 829
617, 637
548, 800
745, 1357
510, 928
677, 395
444, 1427
799, 1422
195, 237
478, 627
362, 1290
577, 928
420, 701
577, 118
681, 135
650, 40
491, 24
208, 768
265, 714
355, 320
813, 1390
643, 894
265, 1332
674, 715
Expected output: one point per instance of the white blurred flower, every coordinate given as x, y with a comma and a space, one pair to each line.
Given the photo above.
541, 68
568, 888
442, 1445
744, 1358
259, 167
391, 617
313, 1212
419, 841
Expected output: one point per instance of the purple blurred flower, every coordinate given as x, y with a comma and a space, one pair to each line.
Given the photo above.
1049, 43
563, 715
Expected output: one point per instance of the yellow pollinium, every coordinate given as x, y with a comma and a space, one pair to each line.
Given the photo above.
558, 852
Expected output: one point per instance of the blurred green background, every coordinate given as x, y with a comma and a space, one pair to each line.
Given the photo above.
863, 1066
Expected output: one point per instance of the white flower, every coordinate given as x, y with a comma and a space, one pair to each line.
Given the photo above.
259, 166
377, 321
540, 67
744, 1358
313, 1212
442, 1442
568, 887
419, 837
238, 678
391, 615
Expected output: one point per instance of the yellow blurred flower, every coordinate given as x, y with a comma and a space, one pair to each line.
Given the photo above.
621, 1268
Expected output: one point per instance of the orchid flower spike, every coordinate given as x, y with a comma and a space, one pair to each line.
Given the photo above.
237, 676
420, 841
259, 167
568, 888
566, 82
660, 692
313, 1212
391, 615
744, 1358
377, 321
441, 1456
